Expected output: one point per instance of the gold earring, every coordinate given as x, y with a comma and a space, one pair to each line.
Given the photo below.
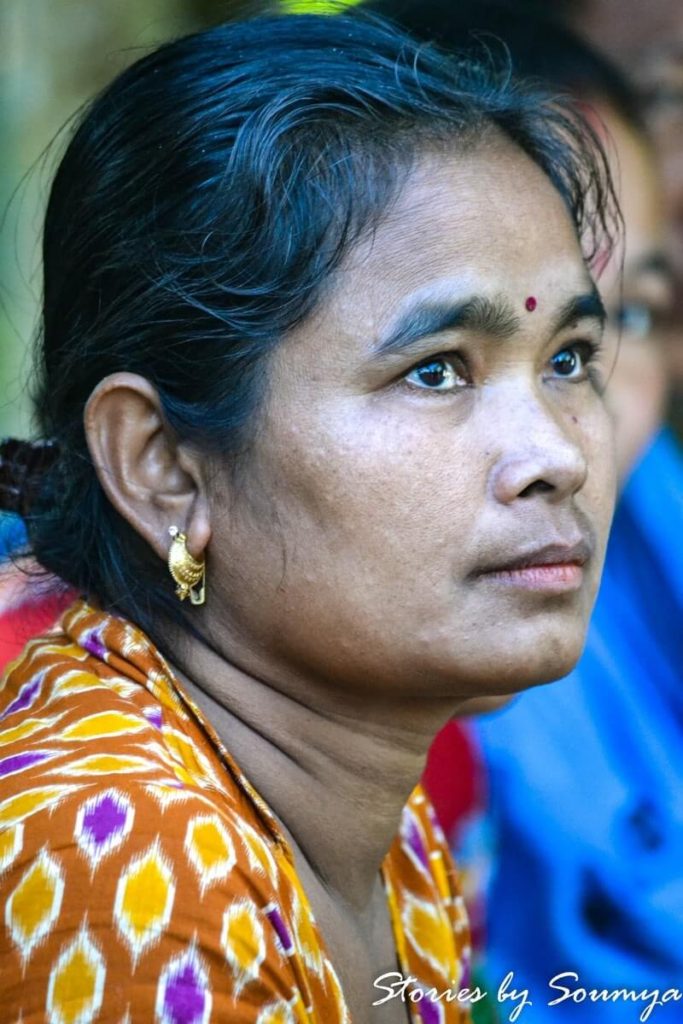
188, 573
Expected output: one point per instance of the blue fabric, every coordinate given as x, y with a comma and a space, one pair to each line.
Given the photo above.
587, 783
12, 535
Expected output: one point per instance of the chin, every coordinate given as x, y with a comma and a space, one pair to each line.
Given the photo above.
550, 651
484, 705
525, 667
547, 669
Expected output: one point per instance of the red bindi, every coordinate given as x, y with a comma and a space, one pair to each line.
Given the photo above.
531, 304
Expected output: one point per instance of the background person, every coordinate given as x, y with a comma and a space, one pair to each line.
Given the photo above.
646, 40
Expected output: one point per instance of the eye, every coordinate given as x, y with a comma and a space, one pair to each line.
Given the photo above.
634, 318
436, 374
573, 362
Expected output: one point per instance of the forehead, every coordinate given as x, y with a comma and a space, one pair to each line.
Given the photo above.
487, 221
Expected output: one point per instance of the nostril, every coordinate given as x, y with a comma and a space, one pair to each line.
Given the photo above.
537, 487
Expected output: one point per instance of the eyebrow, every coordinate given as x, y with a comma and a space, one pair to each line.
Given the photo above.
493, 317
581, 307
656, 263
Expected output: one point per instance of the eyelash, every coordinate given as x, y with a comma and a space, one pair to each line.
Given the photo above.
588, 352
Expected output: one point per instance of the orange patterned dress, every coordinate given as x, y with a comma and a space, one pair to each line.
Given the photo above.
143, 879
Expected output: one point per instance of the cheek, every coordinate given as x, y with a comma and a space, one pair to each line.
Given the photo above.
375, 517
360, 461
388, 495
597, 430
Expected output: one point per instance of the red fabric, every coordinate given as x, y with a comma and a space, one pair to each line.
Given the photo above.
21, 622
453, 776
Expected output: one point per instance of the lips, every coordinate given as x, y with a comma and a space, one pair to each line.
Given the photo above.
575, 552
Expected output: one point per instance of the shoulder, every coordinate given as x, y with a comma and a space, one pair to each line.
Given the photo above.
138, 893
96, 765
128, 877
63, 725
70, 719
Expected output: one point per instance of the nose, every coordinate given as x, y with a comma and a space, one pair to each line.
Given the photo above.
539, 453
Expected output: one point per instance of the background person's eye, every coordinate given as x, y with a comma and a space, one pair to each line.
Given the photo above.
634, 318
572, 362
436, 374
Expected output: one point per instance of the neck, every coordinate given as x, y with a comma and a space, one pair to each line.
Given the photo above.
336, 770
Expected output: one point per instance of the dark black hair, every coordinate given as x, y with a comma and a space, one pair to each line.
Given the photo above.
542, 46
199, 211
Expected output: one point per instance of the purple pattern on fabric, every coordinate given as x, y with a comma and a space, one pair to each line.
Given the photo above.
155, 716
93, 644
430, 1011
27, 694
104, 819
185, 996
18, 762
275, 918
414, 839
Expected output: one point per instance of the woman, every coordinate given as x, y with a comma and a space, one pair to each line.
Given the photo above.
585, 777
321, 352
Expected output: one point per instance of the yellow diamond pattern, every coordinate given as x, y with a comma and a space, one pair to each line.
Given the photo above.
106, 723
209, 849
77, 982
144, 899
428, 928
243, 942
34, 906
107, 764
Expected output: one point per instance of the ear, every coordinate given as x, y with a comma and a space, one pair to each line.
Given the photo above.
151, 479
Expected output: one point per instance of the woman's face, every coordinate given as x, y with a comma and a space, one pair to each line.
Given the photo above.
424, 430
